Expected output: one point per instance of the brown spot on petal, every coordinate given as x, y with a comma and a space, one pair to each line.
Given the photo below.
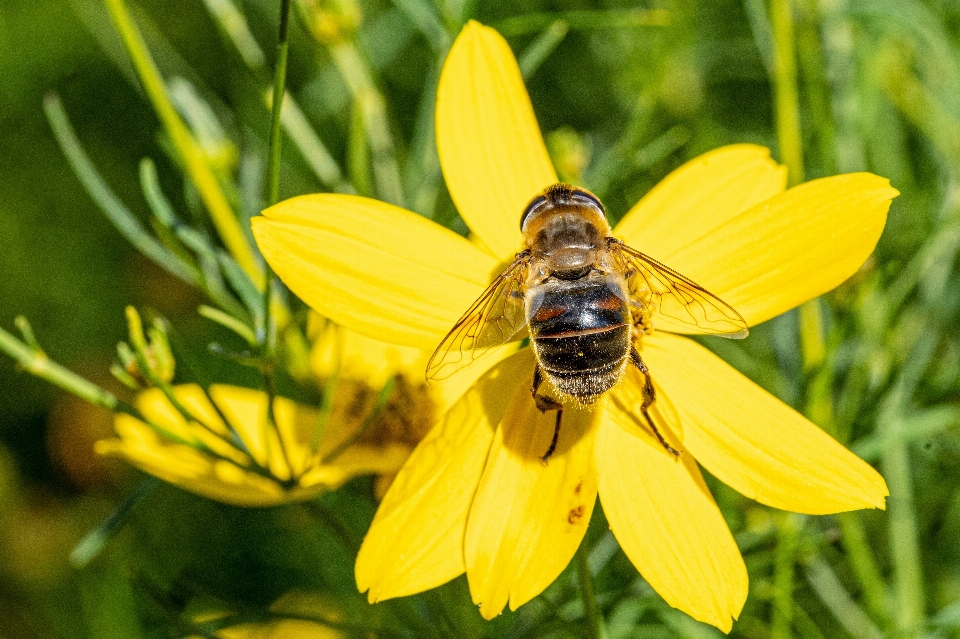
576, 489
575, 515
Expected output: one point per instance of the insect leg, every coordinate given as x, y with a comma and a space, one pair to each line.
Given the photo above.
544, 404
556, 436
649, 396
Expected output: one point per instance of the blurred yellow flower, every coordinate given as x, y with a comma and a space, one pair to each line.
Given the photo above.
245, 463
474, 496
379, 411
358, 367
349, 355
295, 615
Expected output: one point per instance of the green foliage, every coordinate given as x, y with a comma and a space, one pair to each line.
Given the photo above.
623, 95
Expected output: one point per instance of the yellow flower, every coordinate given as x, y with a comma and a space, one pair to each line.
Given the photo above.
245, 464
474, 496
354, 357
313, 453
359, 368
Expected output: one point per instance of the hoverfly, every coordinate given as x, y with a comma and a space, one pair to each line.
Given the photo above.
583, 297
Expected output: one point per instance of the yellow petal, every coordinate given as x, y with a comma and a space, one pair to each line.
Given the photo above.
197, 472
492, 154
293, 610
358, 459
252, 492
306, 605
352, 355
155, 406
528, 518
295, 426
700, 196
136, 434
231, 480
246, 410
752, 441
446, 392
137, 440
373, 267
665, 519
213, 433
416, 539
279, 629
790, 248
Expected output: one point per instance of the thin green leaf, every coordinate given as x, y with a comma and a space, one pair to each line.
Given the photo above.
583, 19
229, 322
541, 48
251, 297
94, 542
109, 203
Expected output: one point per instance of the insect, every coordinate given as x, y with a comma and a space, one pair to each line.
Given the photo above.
583, 298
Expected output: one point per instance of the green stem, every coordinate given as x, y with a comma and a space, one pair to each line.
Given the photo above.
234, 25
841, 139
905, 555
811, 332
785, 85
145, 369
783, 576
584, 19
38, 364
836, 19
835, 597
810, 56
541, 48
273, 196
594, 617
865, 567
904, 545
811, 336
118, 214
139, 345
279, 86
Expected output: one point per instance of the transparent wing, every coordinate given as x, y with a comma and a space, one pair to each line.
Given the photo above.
494, 319
677, 304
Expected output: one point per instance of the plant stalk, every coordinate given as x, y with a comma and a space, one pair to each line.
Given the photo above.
273, 196
595, 626
786, 98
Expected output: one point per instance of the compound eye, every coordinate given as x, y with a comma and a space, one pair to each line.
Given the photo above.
535, 204
586, 196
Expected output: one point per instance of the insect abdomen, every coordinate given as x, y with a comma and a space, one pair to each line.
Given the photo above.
581, 335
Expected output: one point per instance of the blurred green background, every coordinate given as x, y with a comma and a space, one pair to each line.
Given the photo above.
624, 93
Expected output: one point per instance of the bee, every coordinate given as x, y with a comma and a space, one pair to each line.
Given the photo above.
584, 299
